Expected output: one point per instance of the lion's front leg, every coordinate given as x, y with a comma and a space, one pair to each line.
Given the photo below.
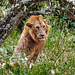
33, 58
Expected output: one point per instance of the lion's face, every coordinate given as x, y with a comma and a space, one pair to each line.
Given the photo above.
38, 28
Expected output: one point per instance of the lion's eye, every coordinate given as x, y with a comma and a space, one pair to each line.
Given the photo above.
37, 27
43, 26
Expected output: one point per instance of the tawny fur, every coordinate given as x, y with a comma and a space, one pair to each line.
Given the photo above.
29, 43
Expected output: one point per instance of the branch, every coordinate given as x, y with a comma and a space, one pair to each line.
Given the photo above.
43, 12
68, 12
15, 17
63, 49
58, 56
70, 3
53, 9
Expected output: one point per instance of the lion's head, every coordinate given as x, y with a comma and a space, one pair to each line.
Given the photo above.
38, 28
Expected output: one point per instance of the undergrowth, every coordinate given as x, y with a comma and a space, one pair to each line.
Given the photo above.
65, 65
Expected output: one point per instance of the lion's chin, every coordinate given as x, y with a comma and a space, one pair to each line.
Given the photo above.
43, 38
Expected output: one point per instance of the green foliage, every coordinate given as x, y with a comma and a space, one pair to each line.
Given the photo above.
41, 5
61, 21
58, 19
1, 10
66, 22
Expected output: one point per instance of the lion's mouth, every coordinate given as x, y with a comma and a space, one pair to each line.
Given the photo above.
43, 38
40, 38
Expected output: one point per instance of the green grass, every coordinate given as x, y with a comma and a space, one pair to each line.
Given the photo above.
65, 65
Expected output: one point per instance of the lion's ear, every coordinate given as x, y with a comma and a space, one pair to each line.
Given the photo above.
45, 20
47, 29
40, 15
29, 25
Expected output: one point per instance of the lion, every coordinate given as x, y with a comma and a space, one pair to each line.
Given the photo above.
33, 37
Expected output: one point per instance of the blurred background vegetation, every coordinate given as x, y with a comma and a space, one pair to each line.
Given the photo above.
62, 34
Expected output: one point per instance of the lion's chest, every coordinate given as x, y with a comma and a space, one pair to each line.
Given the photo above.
32, 46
